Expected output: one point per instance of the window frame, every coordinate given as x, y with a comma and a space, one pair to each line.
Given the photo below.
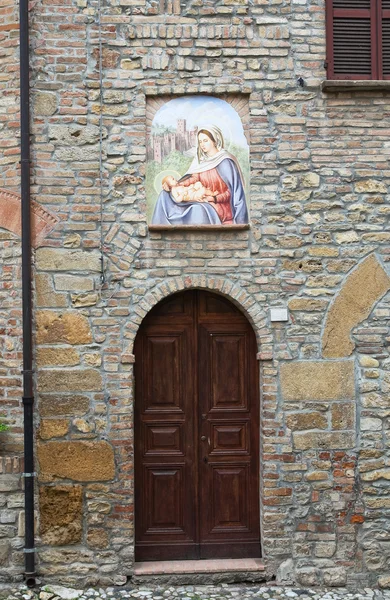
377, 14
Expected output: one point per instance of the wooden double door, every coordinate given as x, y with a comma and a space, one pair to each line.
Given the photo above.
196, 431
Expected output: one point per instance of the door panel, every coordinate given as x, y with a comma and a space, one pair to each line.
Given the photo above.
165, 502
229, 498
163, 439
226, 437
165, 381
196, 431
165, 499
226, 356
228, 408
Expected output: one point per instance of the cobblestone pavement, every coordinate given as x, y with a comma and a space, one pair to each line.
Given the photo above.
198, 592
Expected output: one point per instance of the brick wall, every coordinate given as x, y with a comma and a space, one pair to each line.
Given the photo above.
318, 244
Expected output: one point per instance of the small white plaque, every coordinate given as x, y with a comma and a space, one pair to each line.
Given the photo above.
279, 314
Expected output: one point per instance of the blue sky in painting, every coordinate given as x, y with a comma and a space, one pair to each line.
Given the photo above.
203, 110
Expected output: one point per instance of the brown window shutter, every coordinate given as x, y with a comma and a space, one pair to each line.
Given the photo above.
352, 39
385, 39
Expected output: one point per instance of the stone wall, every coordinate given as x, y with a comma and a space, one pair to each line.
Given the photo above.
11, 519
318, 245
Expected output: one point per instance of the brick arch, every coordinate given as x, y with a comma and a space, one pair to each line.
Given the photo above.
230, 290
11, 219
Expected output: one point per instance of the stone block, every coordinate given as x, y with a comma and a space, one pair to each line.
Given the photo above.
361, 290
368, 362
7, 516
5, 551
57, 259
376, 474
99, 506
62, 327
371, 186
308, 576
9, 483
58, 405
317, 476
310, 180
73, 283
317, 380
323, 251
84, 425
22, 523
80, 300
81, 380
347, 237
97, 538
71, 240
384, 582
57, 357
325, 549
15, 501
335, 577
309, 420
93, 359
307, 304
61, 514
50, 428
370, 424
377, 502
343, 415
324, 440
44, 104
45, 293
80, 461
285, 574
75, 134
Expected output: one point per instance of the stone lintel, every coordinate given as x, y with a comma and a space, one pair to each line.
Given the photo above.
342, 85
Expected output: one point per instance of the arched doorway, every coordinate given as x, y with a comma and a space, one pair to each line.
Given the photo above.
196, 431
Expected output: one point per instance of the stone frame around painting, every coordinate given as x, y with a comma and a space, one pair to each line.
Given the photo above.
239, 102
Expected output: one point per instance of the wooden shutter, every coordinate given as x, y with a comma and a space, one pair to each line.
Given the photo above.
352, 39
384, 50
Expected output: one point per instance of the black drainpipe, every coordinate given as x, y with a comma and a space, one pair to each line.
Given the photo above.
28, 397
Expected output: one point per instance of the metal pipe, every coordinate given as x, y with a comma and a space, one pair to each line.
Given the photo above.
28, 394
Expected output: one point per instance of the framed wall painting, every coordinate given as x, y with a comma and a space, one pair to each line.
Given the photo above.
197, 171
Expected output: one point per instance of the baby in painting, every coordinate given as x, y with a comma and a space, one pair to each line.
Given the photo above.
195, 192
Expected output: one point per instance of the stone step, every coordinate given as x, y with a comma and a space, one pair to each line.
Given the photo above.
199, 566
200, 572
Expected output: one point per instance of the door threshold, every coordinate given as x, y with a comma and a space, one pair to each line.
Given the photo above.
219, 565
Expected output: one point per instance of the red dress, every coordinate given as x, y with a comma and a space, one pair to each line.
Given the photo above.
221, 202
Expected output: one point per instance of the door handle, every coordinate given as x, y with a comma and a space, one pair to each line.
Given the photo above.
203, 438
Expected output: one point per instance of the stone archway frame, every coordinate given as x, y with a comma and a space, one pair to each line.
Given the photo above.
359, 293
256, 315
232, 291
42, 220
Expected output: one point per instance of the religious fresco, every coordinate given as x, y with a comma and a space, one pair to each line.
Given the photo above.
197, 164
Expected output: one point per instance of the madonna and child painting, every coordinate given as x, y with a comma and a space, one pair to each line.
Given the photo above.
197, 164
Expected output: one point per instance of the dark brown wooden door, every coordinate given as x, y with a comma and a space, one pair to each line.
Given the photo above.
196, 431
